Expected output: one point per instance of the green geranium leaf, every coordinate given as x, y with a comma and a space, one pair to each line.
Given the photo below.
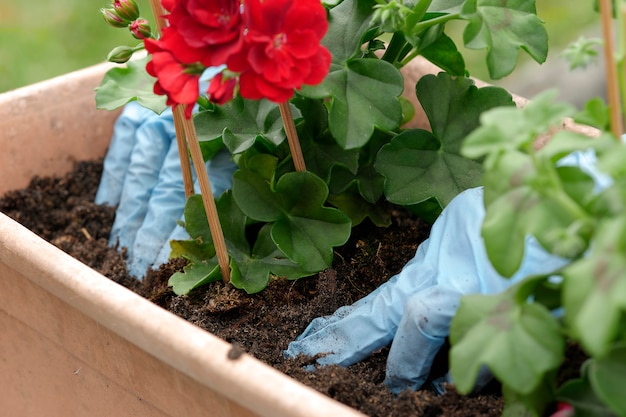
582, 52
122, 85
580, 395
363, 92
516, 214
363, 96
195, 275
532, 404
303, 228
439, 48
505, 129
607, 376
203, 267
363, 179
417, 164
503, 27
445, 6
255, 268
251, 267
596, 113
347, 24
240, 122
594, 290
519, 342
358, 209
321, 152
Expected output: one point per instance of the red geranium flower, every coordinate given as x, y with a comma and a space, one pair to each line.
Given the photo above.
177, 80
282, 48
213, 25
221, 89
168, 4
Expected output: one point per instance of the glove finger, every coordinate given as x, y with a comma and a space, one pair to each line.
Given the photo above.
179, 233
118, 155
353, 332
220, 170
165, 207
422, 331
153, 140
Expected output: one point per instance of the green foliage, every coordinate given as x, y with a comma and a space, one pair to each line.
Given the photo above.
361, 86
121, 85
252, 265
418, 164
595, 113
302, 227
583, 52
503, 27
278, 222
575, 214
520, 342
356, 153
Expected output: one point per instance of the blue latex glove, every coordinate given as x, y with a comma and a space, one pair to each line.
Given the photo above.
413, 310
142, 177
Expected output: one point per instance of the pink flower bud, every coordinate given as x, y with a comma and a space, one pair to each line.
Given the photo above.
113, 19
126, 9
563, 410
140, 29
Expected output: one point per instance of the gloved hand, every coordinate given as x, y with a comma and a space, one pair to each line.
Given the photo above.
413, 310
142, 177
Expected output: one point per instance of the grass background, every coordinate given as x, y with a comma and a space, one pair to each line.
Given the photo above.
40, 39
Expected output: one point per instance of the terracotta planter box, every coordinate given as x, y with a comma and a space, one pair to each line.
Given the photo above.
73, 343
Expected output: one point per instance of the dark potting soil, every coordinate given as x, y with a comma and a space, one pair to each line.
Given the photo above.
61, 210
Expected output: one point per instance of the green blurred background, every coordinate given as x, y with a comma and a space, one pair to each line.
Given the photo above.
40, 39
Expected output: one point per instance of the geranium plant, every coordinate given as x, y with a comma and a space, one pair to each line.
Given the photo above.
521, 334
335, 67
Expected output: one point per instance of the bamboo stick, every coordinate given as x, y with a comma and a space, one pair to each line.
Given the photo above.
186, 137
158, 12
612, 79
181, 140
207, 198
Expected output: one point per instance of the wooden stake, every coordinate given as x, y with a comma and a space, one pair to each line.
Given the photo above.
158, 12
186, 136
622, 65
207, 198
181, 139
292, 137
612, 81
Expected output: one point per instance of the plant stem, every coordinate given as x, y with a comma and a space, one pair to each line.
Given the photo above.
407, 57
181, 139
613, 89
415, 52
207, 198
422, 26
292, 137
396, 45
421, 8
